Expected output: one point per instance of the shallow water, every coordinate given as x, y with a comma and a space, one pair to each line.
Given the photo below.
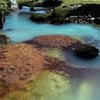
53, 86
24, 29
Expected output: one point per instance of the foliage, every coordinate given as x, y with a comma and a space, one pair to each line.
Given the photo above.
59, 14
32, 3
39, 17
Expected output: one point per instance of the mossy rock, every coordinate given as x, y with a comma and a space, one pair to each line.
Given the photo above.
87, 51
4, 39
39, 17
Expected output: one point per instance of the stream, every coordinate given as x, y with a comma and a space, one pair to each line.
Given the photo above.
51, 86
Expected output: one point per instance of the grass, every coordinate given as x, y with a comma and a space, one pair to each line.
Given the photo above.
70, 2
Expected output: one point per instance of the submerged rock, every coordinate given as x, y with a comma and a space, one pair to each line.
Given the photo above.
87, 51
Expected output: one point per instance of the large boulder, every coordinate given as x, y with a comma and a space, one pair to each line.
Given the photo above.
39, 17
87, 51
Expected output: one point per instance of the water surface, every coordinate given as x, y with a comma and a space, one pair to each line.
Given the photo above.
24, 29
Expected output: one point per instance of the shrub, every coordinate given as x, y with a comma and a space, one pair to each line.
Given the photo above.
59, 14
39, 17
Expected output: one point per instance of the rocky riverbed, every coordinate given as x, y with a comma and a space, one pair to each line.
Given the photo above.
23, 62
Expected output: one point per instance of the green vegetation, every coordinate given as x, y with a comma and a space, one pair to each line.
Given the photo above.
54, 16
47, 86
59, 14
69, 2
54, 53
5, 5
4, 9
72, 2
31, 4
39, 17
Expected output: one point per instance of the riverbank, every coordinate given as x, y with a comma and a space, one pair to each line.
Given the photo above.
82, 13
4, 9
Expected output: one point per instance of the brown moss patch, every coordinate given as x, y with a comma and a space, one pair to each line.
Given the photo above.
54, 41
19, 63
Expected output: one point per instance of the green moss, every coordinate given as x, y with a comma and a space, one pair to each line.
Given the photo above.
59, 14
71, 2
39, 17
54, 53
47, 86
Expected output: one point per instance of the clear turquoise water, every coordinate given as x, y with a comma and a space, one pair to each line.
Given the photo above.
24, 29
